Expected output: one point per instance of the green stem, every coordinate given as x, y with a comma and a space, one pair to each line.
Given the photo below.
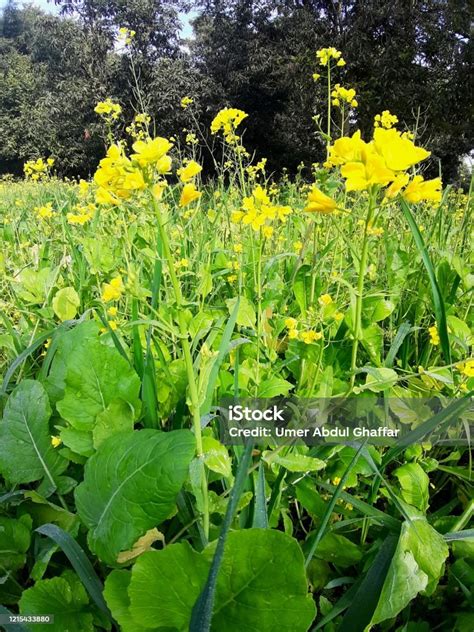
360, 287
328, 142
184, 336
259, 306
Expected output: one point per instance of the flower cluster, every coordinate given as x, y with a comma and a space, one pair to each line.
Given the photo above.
258, 212
186, 102
382, 161
138, 128
44, 212
308, 336
386, 120
228, 120
325, 55
126, 35
109, 110
113, 291
82, 214
37, 170
434, 335
341, 95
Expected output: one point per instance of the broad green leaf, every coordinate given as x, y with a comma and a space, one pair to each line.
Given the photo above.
380, 379
96, 375
79, 441
417, 566
261, 585
216, 456
246, 316
130, 485
372, 340
65, 303
338, 549
116, 596
302, 287
26, 453
414, 484
64, 598
274, 386
15, 537
376, 309
117, 417
293, 461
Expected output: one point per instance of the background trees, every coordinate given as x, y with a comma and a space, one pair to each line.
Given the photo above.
413, 58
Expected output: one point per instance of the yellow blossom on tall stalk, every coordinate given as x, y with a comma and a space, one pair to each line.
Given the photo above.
386, 120
189, 171
341, 95
325, 55
186, 102
420, 189
37, 170
228, 120
319, 202
108, 109
434, 335
189, 194
44, 212
258, 211
82, 215
153, 152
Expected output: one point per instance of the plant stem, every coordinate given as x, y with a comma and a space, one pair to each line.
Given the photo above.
184, 336
360, 287
328, 141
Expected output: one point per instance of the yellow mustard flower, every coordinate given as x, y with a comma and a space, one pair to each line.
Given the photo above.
113, 291
434, 335
419, 189
319, 202
189, 194
189, 171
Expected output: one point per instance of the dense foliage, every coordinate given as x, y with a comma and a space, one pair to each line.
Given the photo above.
414, 58
134, 304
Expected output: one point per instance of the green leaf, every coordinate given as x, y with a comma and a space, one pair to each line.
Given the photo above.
438, 301
302, 287
96, 375
416, 566
26, 453
79, 562
338, 549
380, 379
130, 485
261, 585
246, 316
414, 484
294, 462
216, 456
274, 386
65, 303
375, 309
15, 537
64, 598
116, 595
117, 417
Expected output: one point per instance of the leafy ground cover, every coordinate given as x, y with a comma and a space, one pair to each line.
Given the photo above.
132, 304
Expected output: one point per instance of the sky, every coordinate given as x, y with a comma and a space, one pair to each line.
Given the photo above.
50, 7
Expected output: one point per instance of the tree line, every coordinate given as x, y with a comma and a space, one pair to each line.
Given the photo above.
413, 57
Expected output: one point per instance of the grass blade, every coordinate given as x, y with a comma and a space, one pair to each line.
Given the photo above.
468, 534
202, 610
438, 301
79, 561
400, 336
359, 614
260, 517
223, 348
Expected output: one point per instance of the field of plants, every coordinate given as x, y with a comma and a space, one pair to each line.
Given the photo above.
133, 304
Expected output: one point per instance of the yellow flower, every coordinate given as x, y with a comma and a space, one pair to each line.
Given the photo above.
348, 149
113, 291
434, 335
341, 62
298, 246
420, 189
291, 323
186, 102
398, 151
467, 368
362, 175
238, 248
316, 76
310, 336
346, 95
319, 202
188, 195
112, 324
338, 316
293, 334
112, 311
326, 54
227, 120
56, 441
153, 152
189, 171
386, 120
267, 231
44, 212
325, 299
397, 185
182, 263
108, 109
